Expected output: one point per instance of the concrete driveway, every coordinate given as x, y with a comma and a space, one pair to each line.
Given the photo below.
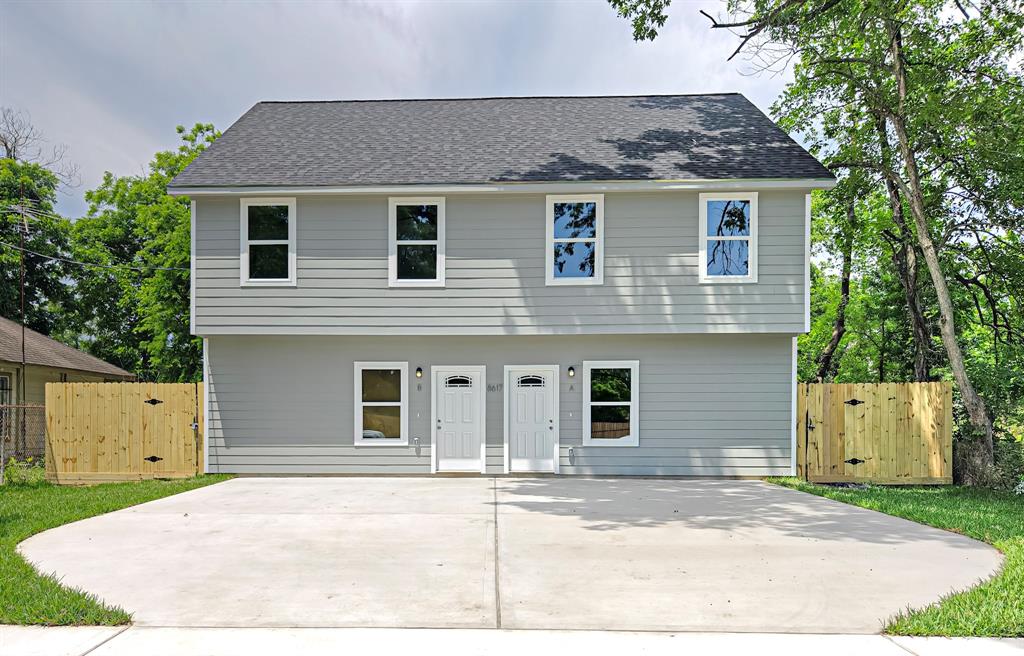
529, 553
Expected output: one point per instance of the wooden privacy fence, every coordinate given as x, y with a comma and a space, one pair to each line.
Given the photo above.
887, 433
98, 432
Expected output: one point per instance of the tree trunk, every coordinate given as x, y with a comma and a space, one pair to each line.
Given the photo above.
975, 405
826, 364
905, 258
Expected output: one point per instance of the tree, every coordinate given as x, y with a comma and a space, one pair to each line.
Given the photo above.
135, 311
29, 178
931, 77
27, 194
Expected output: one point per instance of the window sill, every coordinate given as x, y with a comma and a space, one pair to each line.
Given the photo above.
412, 283
727, 281
615, 445
380, 443
575, 283
268, 283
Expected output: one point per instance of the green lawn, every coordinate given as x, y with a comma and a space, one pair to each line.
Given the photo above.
28, 507
994, 608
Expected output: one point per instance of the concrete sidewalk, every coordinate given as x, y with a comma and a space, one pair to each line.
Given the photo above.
158, 641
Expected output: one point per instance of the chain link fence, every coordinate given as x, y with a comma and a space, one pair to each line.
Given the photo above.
22, 433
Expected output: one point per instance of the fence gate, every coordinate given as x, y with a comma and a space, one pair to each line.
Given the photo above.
97, 432
887, 433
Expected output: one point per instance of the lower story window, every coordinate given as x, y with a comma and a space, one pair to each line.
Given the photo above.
381, 403
611, 402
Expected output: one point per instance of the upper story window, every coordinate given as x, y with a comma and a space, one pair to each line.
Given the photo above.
610, 404
575, 240
381, 408
416, 242
268, 242
728, 237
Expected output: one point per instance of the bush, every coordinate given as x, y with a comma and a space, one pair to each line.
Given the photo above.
24, 472
1009, 470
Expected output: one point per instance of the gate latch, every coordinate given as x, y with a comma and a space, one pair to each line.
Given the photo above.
153, 458
854, 402
152, 401
854, 461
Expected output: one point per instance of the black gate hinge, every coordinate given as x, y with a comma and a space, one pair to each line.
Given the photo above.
854, 402
152, 401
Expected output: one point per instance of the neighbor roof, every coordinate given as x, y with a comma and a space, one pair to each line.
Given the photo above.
496, 140
41, 350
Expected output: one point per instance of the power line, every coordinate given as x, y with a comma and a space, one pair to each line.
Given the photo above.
127, 267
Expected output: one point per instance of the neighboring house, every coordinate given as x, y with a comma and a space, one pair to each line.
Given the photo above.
47, 361
579, 285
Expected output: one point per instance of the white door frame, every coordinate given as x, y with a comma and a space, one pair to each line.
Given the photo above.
555, 408
481, 370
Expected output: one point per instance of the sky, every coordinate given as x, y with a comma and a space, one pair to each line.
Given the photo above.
111, 80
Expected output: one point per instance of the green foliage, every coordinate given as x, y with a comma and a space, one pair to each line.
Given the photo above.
139, 320
1009, 469
647, 16
34, 506
23, 472
45, 289
992, 608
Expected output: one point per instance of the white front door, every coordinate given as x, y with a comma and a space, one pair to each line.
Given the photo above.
459, 418
532, 403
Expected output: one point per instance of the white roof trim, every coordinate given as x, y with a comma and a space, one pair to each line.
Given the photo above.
521, 187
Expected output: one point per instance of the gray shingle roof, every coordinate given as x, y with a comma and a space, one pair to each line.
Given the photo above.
42, 350
492, 140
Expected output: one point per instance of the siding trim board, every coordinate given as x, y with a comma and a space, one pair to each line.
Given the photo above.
522, 187
207, 383
807, 263
192, 268
792, 409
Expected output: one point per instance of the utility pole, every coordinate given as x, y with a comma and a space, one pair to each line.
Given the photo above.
22, 229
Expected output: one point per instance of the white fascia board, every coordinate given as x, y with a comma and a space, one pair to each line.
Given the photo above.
521, 187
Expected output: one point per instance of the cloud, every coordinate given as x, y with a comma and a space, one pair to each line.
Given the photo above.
112, 80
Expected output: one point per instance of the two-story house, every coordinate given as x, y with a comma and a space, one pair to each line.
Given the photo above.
577, 285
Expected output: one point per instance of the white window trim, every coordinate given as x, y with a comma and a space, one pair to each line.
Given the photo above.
244, 279
550, 241
393, 204
702, 256
633, 439
359, 403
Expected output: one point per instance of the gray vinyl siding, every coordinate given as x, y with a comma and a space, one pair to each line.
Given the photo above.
710, 405
495, 272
